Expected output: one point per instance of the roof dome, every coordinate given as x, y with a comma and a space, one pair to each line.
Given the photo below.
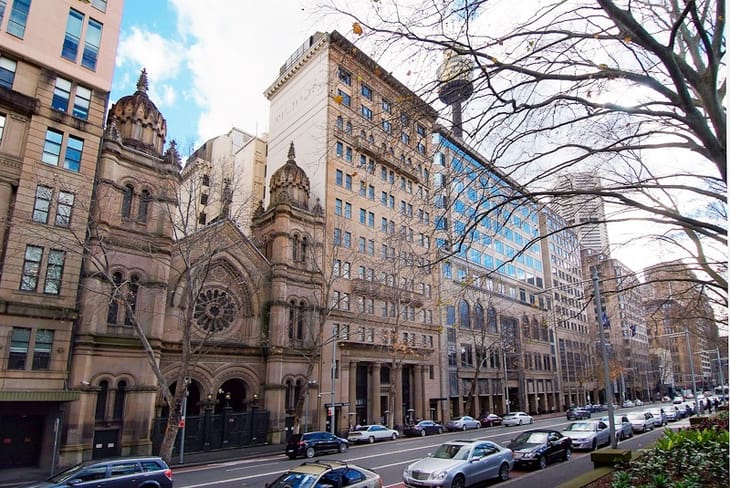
138, 121
290, 184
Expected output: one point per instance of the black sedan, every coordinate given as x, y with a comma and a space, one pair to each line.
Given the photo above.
536, 448
424, 427
310, 444
490, 419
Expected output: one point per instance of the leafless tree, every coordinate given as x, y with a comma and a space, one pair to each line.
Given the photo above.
631, 92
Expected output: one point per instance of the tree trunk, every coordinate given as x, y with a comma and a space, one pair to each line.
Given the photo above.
168, 441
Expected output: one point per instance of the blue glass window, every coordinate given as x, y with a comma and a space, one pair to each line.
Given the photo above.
93, 42
18, 18
72, 39
74, 148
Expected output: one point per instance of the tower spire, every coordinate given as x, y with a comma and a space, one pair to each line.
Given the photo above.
142, 83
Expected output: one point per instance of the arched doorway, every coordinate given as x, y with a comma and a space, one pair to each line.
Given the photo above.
232, 394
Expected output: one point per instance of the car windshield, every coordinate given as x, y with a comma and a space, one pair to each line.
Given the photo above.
580, 427
452, 451
65, 475
532, 438
636, 416
294, 480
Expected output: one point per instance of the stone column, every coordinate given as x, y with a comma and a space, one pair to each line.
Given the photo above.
352, 395
6, 192
398, 381
420, 410
374, 412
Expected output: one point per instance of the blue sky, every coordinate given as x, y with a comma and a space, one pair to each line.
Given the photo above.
209, 62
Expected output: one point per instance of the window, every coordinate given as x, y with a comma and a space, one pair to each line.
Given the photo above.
420, 130
2, 125
118, 411
127, 201
338, 206
132, 292
112, 316
7, 72
338, 177
42, 349
101, 399
52, 147
31, 268
344, 76
346, 100
339, 149
144, 205
61, 94
82, 102
91, 47
72, 39
99, 4
64, 207
366, 91
54, 272
387, 126
19, 342
18, 18
74, 148
42, 206
386, 106
366, 112
405, 138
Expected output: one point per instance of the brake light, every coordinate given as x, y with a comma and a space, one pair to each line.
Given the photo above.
168, 474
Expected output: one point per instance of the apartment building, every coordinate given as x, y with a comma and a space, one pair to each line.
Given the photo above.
56, 65
362, 139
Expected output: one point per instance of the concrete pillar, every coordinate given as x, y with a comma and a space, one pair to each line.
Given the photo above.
352, 420
398, 380
419, 403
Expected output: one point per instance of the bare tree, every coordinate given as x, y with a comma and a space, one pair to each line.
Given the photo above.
630, 91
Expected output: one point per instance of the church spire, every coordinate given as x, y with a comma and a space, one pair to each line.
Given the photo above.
291, 156
142, 83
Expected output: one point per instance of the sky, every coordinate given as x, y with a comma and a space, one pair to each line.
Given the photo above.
209, 62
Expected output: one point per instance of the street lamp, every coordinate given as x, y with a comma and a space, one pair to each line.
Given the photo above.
606, 379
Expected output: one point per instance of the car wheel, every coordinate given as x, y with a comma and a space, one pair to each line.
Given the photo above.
519, 422
459, 481
394, 436
530, 421
371, 439
463, 427
309, 452
441, 431
423, 432
644, 429
342, 447
542, 462
504, 472
594, 445
568, 454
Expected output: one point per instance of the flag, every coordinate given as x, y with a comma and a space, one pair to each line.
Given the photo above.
604, 320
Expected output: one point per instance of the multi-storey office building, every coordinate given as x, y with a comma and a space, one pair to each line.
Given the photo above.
624, 326
584, 210
362, 140
497, 340
575, 335
56, 65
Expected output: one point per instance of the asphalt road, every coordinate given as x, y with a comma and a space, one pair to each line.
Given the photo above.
389, 458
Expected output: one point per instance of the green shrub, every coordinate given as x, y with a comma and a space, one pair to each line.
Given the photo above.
690, 458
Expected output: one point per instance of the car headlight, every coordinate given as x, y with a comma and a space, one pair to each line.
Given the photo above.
439, 475
529, 455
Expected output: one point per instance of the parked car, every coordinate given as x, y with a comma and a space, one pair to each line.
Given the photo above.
424, 427
310, 444
327, 473
588, 434
641, 421
536, 448
622, 425
516, 418
638, 403
577, 413
672, 413
131, 472
463, 423
677, 400
460, 464
660, 418
627, 404
490, 419
372, 433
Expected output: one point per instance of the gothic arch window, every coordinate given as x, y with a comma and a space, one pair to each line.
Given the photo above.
292, 318
300, 320
348, 127
144, 205
289, 396
362, 135
298, 389
101, 399
491, 320
132, 295
295, 248
371, 139
304, 249
464, 314
478, 316
340, 123
112, 316
119, 398
127, 201
535, 329
543, 330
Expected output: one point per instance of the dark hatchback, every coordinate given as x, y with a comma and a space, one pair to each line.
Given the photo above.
424, 427
578, 413
536, 448
311, 444
128, 472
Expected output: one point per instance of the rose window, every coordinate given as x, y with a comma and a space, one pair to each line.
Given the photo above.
214, 310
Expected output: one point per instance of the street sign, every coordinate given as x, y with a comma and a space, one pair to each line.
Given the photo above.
182, 423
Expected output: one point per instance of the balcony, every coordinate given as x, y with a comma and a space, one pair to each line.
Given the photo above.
379, 291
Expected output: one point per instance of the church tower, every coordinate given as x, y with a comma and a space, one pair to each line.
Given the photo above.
129, 246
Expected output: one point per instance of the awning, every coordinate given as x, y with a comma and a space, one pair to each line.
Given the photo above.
39, 396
